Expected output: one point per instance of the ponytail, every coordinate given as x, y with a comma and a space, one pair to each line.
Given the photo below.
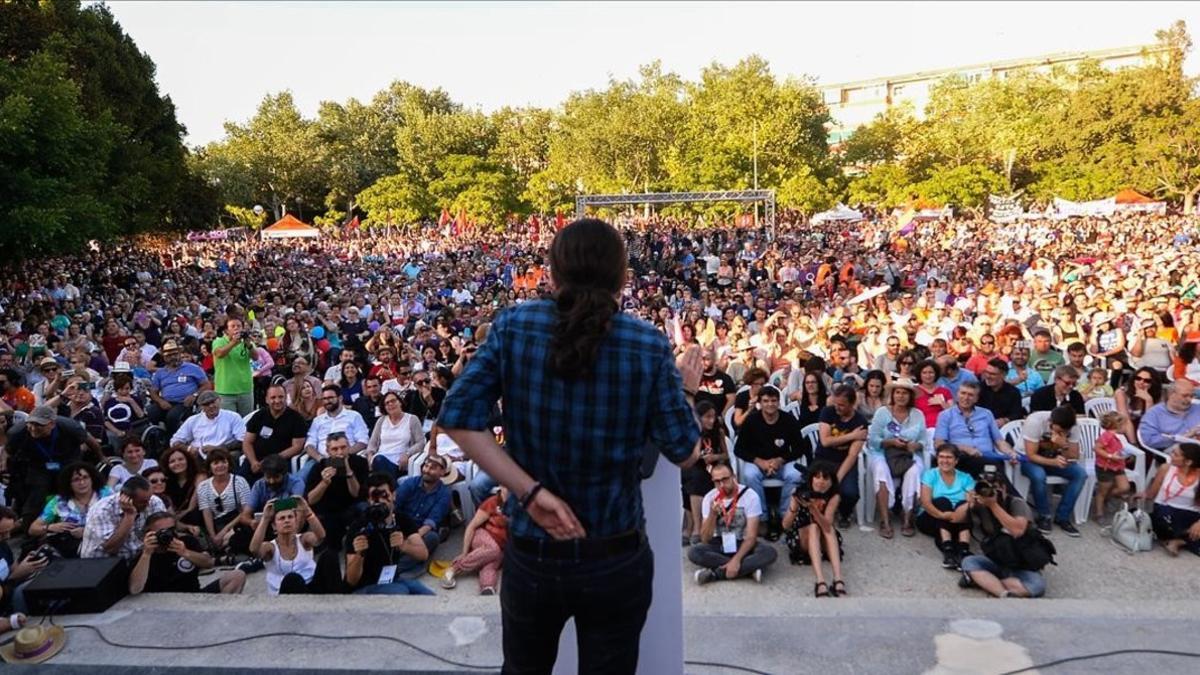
587, 262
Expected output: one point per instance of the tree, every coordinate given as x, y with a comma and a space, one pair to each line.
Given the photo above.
737, 114
883, 185
882, 139
965, 186
620, 139
54, 160
805, 193
484, 191
274, 158
394, 199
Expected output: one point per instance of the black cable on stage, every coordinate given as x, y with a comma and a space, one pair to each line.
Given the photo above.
1101, 655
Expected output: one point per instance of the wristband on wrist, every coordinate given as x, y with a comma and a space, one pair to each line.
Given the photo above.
527, 499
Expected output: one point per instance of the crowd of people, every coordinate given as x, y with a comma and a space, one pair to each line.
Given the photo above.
183, 405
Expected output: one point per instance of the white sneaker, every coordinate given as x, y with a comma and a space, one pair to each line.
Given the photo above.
703, 576
448, 581
758, 576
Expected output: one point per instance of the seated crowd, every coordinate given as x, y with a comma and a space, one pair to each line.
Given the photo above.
185, 405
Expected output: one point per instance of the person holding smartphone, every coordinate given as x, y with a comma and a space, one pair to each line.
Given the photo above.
335, 487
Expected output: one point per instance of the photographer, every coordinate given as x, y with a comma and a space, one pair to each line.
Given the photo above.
13, 573
233, 376
1013, 551
377, 543
335, 487
170, 562
289, 560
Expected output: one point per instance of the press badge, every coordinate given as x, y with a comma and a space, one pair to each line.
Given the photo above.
53, 466
387, 574
182, 379
728, 542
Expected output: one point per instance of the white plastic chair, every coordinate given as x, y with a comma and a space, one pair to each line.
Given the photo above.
1011, 432
1098, 406
1089, 432
729, 430
793, 409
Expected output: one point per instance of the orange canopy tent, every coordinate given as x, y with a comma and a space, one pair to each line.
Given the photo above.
289, 227
1130, 196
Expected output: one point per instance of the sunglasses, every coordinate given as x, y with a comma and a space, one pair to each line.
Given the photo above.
1142, 379
157, 481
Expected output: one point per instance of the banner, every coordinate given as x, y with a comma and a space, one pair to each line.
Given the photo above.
1065, 208
1004, 209
1156, 208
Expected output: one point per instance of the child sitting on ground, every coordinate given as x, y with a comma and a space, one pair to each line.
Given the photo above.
1110, 463
483, 545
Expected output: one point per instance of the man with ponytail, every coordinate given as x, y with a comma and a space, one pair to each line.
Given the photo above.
586, 389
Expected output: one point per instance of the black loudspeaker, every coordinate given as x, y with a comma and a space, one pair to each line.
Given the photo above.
74, 586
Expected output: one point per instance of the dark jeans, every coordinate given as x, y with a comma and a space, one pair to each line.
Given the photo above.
172, 418
608, 598
326, 579
710, 556
1172, 523
337, 522
927, 524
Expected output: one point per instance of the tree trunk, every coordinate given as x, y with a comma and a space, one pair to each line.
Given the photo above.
1189, 200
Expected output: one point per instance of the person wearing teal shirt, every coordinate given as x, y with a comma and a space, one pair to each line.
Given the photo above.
945, 500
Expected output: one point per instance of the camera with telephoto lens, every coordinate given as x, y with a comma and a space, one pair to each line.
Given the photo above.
375, 518
986, 485
164, 537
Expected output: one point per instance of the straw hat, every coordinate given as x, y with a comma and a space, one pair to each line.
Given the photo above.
35, 644
900, 383
170, 346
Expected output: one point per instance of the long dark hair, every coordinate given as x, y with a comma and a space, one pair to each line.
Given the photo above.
587, 261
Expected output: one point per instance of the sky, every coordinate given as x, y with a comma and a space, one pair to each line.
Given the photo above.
217, 60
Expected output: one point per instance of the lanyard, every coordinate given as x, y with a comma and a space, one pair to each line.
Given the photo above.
1175, 478
731, 510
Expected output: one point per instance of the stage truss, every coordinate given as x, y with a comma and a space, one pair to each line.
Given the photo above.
767, 197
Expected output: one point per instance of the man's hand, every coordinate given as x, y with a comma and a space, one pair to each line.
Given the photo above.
255, 465
360, 543
1061, 462
554, 516
28, 566
328, 473
176, 546
732, 568
395, 539
150, 543
127, 507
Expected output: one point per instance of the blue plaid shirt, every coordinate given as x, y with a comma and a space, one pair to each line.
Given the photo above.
582, 439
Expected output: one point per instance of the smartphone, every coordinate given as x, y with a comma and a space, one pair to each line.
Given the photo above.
285, 504
338, 463
87, 386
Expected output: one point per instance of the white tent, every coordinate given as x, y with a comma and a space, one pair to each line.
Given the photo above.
839, 213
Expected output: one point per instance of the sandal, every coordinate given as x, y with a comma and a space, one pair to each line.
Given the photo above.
839, 588
908, 530
818, 593
886, 532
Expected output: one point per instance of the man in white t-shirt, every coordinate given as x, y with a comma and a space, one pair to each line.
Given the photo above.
1052, 449
214, 428
729, 534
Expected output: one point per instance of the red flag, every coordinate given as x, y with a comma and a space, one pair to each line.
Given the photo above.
353, 224
445, 218
559, 221
535, 225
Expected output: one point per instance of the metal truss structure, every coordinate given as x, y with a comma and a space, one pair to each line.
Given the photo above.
767, 197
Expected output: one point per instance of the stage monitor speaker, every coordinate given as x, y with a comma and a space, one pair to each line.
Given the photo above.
78, 586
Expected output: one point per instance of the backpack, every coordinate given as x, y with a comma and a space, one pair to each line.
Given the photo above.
1030, 551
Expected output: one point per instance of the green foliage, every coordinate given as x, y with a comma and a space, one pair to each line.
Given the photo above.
394, 199
110, 157
246, 217
482, 190
884, 185
805, 193
967, 186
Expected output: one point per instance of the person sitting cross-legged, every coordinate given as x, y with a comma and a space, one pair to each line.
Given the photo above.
729, 548
292, 565
376, 544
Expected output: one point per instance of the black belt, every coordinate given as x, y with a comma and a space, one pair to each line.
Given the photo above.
580, 549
